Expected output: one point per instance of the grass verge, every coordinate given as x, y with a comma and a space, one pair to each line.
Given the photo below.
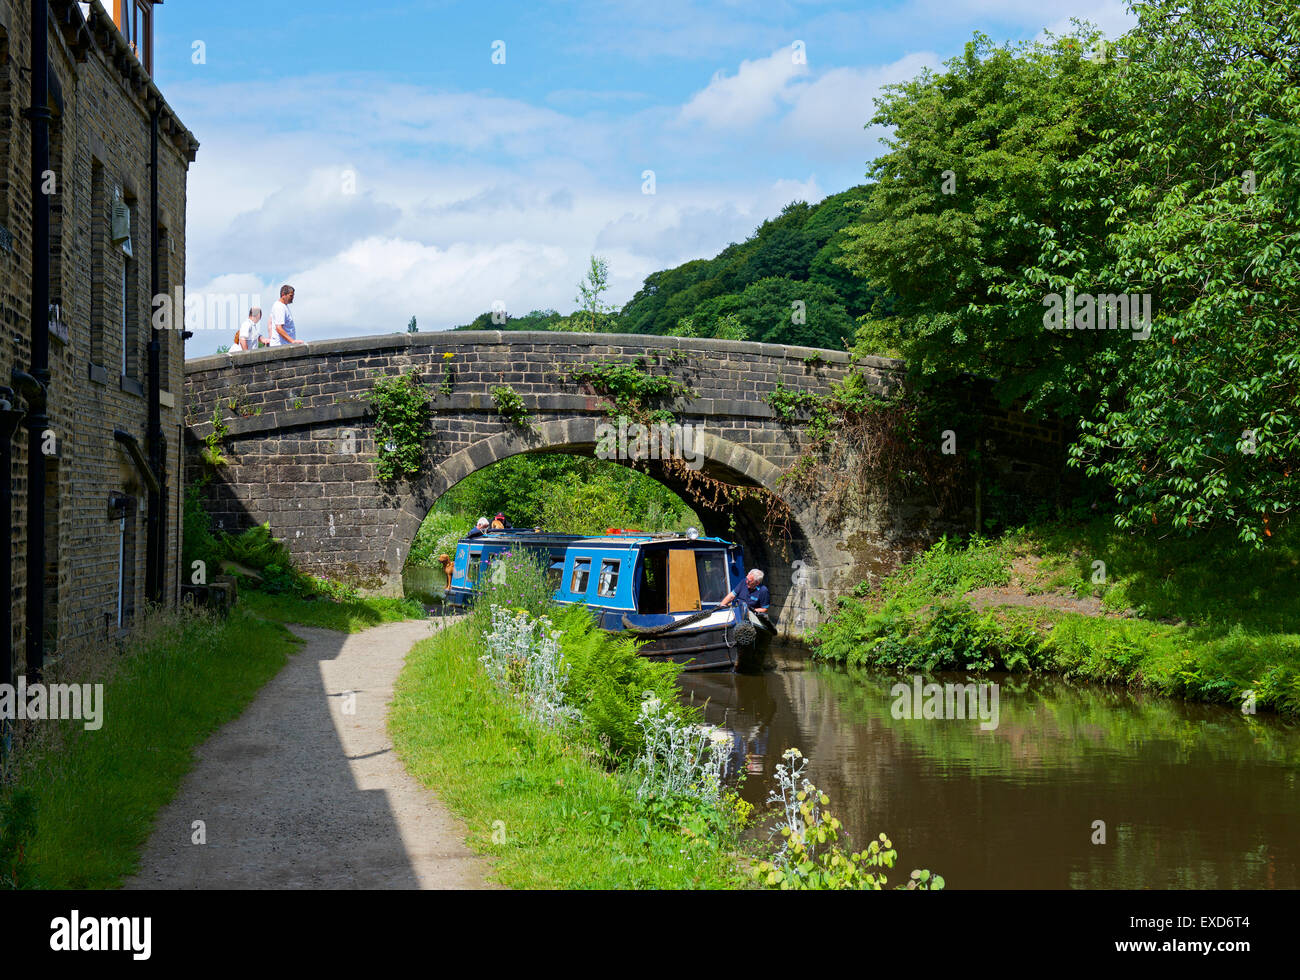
1202, 619
79, 805
349, 614
543, 808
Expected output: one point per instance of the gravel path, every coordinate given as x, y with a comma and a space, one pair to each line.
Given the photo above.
304, 789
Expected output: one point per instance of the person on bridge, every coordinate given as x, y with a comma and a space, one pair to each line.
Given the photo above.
281, 327
247, 337
751, 593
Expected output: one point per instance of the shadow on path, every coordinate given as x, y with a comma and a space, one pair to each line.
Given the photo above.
304, 790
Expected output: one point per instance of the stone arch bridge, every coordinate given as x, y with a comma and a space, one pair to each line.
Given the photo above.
300, 448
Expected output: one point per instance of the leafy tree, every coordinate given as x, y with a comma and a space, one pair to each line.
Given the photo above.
783, 311
1199, 425
590, 289
968, 194
411, 327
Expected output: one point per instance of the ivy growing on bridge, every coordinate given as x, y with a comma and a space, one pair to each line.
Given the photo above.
511, 405
402, 414
631, 391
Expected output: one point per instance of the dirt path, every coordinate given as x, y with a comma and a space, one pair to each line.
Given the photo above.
304, 790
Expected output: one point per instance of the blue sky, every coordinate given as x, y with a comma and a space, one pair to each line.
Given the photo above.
371, 153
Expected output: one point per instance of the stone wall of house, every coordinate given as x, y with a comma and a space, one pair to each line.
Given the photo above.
100, 149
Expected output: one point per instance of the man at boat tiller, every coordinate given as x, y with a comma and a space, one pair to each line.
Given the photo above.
751, 593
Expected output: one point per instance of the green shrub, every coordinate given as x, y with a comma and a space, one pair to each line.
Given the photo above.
17, 828
200, 544
438, 534
255, 548
608, 679
513, 580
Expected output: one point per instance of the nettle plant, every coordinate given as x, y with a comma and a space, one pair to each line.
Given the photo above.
810, 856
402, 416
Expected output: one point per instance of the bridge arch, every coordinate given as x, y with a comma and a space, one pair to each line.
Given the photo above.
720, 458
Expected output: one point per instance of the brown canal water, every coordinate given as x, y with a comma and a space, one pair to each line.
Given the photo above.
1192, 796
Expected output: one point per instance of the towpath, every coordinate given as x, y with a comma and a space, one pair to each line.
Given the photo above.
304, 789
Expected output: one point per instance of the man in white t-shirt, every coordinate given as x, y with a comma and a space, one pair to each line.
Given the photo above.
247, 337
280, 328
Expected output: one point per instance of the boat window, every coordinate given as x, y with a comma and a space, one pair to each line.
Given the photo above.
608, 583
555, 576
472, 575
711, 569
581, 573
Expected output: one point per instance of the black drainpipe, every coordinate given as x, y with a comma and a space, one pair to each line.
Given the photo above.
157, 448
37, 388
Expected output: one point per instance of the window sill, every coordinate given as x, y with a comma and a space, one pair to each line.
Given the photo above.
98, 374
166, 399
132, 386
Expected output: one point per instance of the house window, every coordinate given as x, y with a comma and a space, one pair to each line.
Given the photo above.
607, 584
581, 574
475, 558
135, 18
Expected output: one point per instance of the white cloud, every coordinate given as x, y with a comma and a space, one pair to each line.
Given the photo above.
739, 101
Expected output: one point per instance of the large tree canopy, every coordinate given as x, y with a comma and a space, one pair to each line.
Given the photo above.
1162, 170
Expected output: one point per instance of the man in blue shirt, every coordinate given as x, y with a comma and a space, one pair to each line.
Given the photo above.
751, 593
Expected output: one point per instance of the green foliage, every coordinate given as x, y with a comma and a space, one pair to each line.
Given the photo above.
1199, 426
211, 451
402, 414
437, 535
510, 404
811, 856
797, 246
592, 313
1166, 169
517, 580
608, 679
411, 326
780, 310
17, 828
546, 811
254, 548
544, 490
631, 390
200, 544
966, 196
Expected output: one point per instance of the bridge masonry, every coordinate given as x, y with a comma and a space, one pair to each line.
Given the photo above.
300, 445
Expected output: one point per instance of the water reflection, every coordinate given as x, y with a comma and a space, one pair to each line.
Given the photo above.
1191, 796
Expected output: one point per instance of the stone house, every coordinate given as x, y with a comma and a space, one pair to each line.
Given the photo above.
103, 466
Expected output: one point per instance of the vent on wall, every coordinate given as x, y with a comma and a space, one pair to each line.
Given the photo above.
121, 224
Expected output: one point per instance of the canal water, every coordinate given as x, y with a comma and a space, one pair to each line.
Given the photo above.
1191, 796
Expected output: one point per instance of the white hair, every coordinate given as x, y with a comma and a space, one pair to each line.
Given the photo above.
481, 522
758, 575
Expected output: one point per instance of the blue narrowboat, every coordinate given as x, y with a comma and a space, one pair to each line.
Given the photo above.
666, 589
